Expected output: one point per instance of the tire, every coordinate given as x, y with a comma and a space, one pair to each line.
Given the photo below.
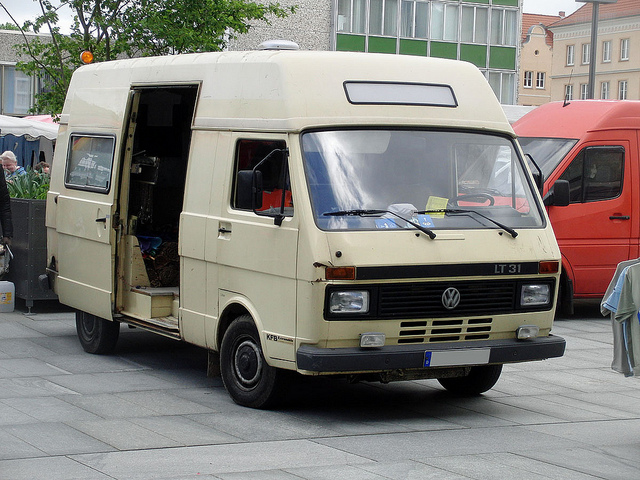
479, 380
250, 381
565, 297
96, 334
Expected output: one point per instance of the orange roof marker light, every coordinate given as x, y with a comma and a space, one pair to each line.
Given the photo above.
86, 57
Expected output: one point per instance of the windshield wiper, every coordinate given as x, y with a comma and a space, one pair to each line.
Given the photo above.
375, 213
509, 230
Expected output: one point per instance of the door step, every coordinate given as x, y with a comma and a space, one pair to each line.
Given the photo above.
158, 306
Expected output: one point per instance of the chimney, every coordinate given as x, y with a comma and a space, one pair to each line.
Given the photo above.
561, 14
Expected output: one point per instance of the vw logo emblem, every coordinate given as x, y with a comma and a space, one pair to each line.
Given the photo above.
451, 298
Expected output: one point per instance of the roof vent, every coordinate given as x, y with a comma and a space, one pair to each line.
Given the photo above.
278, 45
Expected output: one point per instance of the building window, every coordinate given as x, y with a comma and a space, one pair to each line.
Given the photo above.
475, 23
23, 93
17, 90
414, 19
604, 91
376, 8
504, 25
352, 16
568, 92
391, 17
624, 49
383, 17
606, 51
528, 79
584, 91
407, 19
586, 53
622, 90
540, 78
570, 54
444, 21
503, 85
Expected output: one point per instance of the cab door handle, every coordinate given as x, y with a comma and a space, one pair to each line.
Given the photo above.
619, 217
101, 220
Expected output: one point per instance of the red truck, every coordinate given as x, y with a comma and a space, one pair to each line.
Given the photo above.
592, 145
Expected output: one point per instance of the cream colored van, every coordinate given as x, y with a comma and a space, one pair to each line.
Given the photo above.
327, 213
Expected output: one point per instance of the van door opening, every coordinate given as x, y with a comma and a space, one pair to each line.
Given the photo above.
151, 197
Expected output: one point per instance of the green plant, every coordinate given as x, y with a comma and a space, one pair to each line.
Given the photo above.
33, 185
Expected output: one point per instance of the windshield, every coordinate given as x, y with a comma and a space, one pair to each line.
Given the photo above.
377, 179
546, 152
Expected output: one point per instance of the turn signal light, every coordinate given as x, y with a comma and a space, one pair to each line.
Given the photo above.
548, 267
340, 273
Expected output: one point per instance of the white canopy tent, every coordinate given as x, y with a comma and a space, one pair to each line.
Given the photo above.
21, 126
31, 140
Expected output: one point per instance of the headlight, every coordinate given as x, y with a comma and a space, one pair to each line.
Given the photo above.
533, 295
349, 302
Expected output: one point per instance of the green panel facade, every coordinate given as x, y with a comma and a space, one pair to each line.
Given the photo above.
444, 50
476, 54
350, 43
413, 47
382, 45
506, 3
503, 58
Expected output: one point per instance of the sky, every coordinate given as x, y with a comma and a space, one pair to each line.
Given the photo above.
23, 10
28, 9
551, 7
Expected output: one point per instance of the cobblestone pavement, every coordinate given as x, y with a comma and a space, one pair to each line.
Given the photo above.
150, 412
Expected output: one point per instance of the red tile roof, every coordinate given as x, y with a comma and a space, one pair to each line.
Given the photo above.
531, 19
607, 11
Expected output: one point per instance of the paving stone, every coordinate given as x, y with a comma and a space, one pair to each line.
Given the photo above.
149, 412
54, 438
212, 460
51, 468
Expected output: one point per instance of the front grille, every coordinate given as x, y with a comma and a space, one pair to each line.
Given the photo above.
427, 300
420, 300
444, 330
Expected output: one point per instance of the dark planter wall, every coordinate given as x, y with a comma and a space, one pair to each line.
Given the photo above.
29, 247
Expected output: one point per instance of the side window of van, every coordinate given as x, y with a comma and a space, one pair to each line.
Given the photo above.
596, 174
89, 162
267, 158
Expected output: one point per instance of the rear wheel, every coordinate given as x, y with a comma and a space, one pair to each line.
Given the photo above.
479, 380
248, 378
96, 334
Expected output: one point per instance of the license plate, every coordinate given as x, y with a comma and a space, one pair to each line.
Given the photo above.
450, 358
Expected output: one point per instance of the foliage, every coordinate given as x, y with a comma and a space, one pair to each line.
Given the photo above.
113, 29
187, 26
8, 26
33, 184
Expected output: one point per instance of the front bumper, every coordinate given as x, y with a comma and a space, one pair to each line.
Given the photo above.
395, 357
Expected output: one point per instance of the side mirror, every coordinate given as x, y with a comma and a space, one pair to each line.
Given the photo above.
249, 190
559, 195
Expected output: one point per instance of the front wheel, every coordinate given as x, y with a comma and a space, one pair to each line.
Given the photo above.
479, 380
248, 378
96, 334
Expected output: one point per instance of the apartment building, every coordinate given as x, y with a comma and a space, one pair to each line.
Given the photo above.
536, 58
483, 32
618, 53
